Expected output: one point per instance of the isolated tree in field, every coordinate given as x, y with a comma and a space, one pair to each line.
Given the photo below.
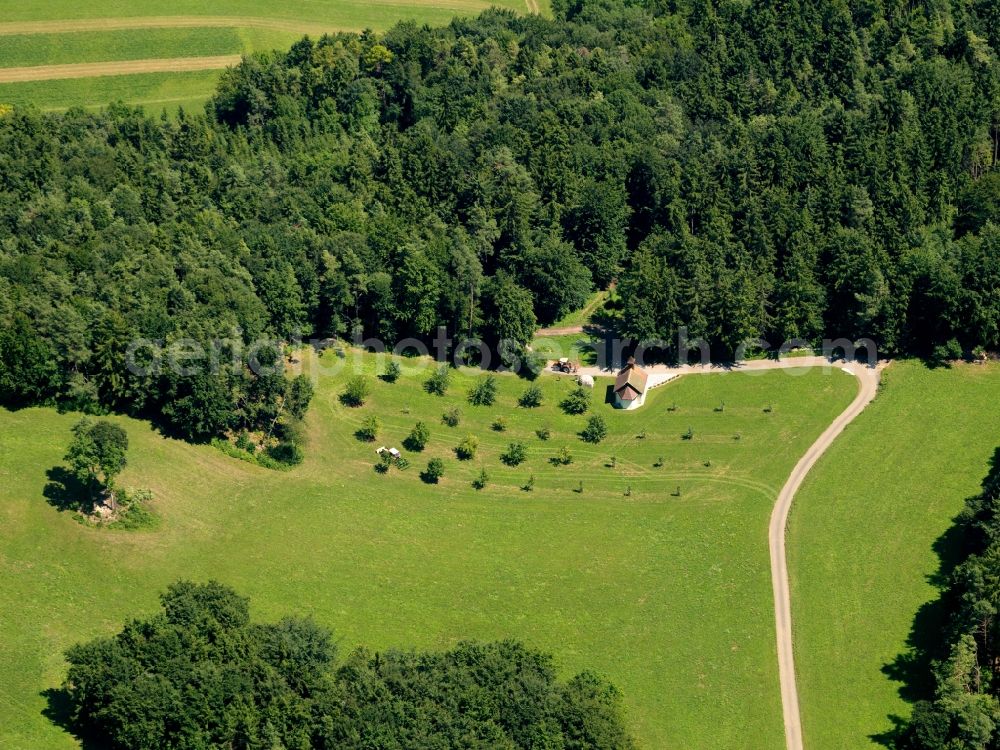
356, 391
418, 437
392, 372
485, 391
563, 457
596, 429
97, 454
515, 454
369, 428
577, 401
439, 381
481, 480
531, 398
499, 424
434, 471
452, 417
466, 450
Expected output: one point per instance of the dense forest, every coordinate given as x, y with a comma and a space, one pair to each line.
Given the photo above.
965, 711
775, 168
201, 675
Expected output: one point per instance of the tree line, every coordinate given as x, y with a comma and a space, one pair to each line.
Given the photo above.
776, 168
200, 674
964, 711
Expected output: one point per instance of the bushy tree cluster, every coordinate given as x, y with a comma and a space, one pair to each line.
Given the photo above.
200, 674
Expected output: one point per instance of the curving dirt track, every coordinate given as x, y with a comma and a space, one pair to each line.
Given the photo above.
120, 67
868, 380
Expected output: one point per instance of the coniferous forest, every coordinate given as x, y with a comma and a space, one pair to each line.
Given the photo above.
777, 168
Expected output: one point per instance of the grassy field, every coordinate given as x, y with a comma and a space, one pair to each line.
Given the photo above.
667, 595
62, 32
137, 44
862, 540
154, 91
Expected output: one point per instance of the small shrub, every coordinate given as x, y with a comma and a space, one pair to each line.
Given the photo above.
721, 407
499, 424
438, 383
612, 462
689, 435
244, 443
452, 417
417, 439
392, 372
288, 454
769, 408
677, 492
659, 463
579, 488
480, 481
562, 458
515, 454
596, 429
485, 391
672, 407
402, 464
529, 486
434, 471
577, 401
543, 433
355, 392
628, 490
641, 435
531, 398
466, 450
383, 464
369, 429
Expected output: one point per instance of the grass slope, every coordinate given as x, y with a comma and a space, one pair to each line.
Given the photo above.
668, 596
154, 91
19, 50
861, 540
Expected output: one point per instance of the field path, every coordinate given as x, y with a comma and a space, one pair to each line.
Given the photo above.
121, 67
164, 22
868, 388
868, 380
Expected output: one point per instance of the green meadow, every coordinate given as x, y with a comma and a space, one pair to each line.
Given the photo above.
864, 539
656, 576
154, 91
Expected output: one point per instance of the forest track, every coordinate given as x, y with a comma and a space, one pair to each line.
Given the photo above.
868, 381
117, 68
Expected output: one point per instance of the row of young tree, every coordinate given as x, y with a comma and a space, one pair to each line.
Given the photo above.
775, 168
964, 713
201, 675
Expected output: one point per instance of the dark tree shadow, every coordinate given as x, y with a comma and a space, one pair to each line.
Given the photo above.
59, 710
64, 491
927, 641
609, 395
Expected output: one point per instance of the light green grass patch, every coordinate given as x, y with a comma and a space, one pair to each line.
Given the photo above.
668, 596
152, 91
861, 540
21, 50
